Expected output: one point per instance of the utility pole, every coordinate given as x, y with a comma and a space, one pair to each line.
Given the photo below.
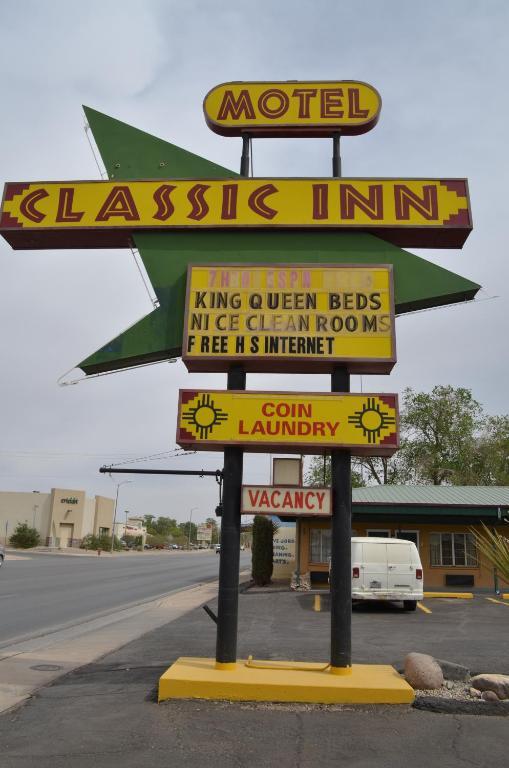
189, 529
123, 482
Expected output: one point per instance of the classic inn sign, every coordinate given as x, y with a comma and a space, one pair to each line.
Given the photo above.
427, 213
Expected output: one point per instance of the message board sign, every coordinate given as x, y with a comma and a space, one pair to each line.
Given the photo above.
289, 422
426, 213
286, 501
292, 108
204, 532
289, 318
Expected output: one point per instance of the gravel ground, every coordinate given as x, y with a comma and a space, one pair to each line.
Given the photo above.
459, 691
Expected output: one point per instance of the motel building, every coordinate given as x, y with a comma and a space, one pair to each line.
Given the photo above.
437, 518
63, 517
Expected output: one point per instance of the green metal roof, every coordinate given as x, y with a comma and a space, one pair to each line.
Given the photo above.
433, 495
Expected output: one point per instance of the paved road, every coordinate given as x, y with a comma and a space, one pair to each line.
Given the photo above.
40, 592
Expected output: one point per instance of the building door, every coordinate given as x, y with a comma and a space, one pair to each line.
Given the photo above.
66, 535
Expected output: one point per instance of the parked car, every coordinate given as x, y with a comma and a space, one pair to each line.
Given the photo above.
218, 548
386, 569
2, 555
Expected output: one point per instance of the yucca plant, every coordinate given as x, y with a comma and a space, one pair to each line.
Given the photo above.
495, 548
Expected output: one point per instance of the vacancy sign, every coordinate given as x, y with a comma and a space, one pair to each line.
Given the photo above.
305, 423
289, 318
286, 502
426, 213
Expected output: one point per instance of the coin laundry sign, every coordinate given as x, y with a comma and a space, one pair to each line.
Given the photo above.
427, 213
292, 108
289, 421
289, 318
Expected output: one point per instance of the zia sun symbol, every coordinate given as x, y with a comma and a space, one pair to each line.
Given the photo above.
204, 416
372, 420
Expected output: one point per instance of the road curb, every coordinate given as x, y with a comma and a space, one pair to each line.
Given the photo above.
455, 707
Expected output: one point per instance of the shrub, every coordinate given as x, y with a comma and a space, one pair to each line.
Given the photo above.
24, 537
99, 542
263, 550
157, 541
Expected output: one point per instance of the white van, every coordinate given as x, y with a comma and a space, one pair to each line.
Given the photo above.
386, 569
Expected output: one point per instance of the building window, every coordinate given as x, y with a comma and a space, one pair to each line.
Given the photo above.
104, 531
409, 536
453, 549
383, 533
320, 545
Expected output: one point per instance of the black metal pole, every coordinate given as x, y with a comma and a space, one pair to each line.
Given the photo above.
341, 565
228, 593
341, 526
244, 160
195, 472
336, 155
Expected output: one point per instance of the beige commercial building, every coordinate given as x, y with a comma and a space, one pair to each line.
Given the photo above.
62, 517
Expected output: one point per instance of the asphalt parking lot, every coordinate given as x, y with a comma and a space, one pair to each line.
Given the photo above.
469, 632
106, 713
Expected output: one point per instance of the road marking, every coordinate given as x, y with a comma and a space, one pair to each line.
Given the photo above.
423, 608
493, 600
456, 595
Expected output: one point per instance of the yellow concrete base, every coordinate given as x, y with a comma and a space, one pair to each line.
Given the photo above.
195, 678
455, 595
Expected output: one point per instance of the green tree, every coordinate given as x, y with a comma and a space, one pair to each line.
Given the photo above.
183, 531
318, 473
439, 434
263, 550
24, 537
165, 526
489, 462
149, 520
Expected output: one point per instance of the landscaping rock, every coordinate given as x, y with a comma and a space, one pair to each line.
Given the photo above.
489, 696
422, 672
499, 684
453, 671
475, 693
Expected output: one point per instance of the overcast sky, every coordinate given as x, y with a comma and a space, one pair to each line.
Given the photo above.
441, 69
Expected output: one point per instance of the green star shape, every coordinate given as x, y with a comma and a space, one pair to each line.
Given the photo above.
129, 153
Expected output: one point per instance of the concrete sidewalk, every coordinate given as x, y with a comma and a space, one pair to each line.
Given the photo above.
105, 714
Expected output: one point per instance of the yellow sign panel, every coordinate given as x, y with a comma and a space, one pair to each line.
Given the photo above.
289, 318
288, 421
406, 212
292, 108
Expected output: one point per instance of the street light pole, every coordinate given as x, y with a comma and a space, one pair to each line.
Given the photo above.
189, 531
123, 482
